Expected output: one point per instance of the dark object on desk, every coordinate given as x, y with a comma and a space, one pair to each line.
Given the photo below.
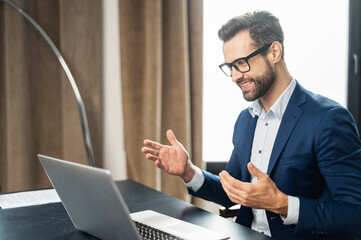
216, 168
229, 212
51, 221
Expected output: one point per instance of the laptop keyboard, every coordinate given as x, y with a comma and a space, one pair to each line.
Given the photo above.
149, 233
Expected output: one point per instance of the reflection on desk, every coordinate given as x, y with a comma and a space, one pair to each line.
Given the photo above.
51, 221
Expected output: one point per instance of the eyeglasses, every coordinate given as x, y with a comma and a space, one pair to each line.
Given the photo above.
242, 64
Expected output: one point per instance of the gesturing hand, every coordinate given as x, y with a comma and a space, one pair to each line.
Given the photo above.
172, 159
262, 194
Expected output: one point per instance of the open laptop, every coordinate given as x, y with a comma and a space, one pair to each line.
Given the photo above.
96, 206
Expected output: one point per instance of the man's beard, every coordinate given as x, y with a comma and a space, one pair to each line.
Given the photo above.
261, 84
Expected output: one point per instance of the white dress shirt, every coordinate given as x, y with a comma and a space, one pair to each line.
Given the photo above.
263, 140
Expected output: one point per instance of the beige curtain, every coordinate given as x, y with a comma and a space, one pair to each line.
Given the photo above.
161, 60
38, 110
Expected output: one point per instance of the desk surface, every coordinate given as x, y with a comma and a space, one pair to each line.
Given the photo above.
51, 221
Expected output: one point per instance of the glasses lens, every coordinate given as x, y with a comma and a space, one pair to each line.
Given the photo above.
242, 65
227, 69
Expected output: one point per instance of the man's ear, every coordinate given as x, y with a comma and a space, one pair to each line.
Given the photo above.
276, 51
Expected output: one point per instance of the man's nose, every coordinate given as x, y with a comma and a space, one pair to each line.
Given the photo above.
236, 75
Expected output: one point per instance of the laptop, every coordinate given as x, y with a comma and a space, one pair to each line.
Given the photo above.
96, 206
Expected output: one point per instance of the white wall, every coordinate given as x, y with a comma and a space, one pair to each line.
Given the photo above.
114, 153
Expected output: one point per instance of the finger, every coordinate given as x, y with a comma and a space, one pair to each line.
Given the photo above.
159, 164
224, 174
152, 157
254, 171
236, 198
233, 184
228, 181
235, 194
226, 177
151, 151
171, 137
152, 144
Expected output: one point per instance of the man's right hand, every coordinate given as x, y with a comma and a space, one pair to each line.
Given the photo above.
172, 159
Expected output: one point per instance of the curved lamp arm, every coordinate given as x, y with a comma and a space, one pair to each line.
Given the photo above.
81, 106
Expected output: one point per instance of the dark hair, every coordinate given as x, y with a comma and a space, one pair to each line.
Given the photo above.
264, 28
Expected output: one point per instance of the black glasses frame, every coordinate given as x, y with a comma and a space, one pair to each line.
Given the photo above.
230, 65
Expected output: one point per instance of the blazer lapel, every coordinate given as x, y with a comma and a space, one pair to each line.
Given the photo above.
288, 123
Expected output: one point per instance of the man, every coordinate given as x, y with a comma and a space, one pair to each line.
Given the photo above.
296, 164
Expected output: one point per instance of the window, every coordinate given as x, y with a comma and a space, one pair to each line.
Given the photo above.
316, 47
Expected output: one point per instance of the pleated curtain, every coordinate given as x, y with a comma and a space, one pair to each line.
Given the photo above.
38, 110
161, 59
161, 81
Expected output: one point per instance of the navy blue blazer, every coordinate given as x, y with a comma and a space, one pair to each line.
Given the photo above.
316, 157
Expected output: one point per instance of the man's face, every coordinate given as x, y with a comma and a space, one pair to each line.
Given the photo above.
255, 83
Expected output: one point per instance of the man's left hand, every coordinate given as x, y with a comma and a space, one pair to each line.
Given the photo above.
262, 194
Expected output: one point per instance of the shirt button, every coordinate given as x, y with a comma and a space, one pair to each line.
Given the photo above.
260, 151
266, 124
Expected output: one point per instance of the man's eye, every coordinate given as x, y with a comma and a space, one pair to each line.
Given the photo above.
240, 63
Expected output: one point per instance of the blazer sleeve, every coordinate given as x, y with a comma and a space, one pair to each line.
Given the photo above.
338, 153
212, 189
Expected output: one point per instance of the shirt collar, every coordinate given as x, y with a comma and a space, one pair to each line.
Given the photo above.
256, 108
279, 107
